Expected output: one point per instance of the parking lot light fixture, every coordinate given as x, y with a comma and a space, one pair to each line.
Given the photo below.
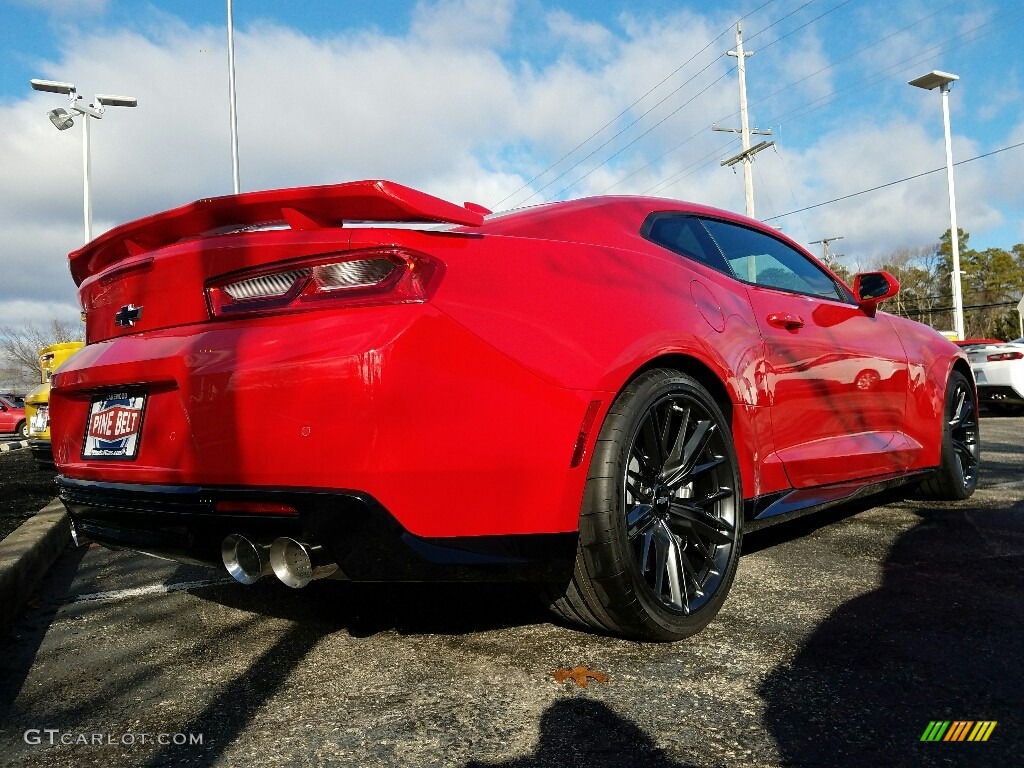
63, 119
942, 81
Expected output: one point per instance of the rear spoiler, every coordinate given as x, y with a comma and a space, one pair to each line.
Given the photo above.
301, 208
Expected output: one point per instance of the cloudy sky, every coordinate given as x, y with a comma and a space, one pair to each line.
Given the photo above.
509, 103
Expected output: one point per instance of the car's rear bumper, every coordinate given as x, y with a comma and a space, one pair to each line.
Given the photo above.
365, 540
1000, 394
1001, 382
450, 435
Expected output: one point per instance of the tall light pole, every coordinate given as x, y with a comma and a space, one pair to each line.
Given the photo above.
63, 119
929, 82
231, 96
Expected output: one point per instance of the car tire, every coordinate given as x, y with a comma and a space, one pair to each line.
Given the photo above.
22, 430
957, 475
662, 514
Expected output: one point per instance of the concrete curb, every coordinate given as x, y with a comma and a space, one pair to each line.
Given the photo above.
27, 554
13, 446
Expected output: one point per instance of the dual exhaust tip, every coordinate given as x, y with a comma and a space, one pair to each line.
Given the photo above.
295, 563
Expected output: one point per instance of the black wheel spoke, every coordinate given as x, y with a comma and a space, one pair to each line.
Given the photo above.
652, 442
695, 447
635, 484
711, 498
964, 453
700, 469
697, 543
661, 542
678, 565
682, 512
640, 519
701, 523
679, 444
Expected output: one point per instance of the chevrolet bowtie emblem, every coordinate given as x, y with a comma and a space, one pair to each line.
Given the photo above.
128, 315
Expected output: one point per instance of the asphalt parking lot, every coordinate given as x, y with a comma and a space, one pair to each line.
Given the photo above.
845, 635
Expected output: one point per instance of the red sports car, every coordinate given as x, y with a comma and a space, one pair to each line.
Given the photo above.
598, 395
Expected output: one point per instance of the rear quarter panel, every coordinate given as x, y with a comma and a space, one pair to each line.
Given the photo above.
587, 317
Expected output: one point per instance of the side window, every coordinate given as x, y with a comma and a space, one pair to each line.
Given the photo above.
686, 236
763, 260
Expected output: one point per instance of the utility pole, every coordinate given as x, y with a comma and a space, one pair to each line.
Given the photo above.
824, 246
747, 155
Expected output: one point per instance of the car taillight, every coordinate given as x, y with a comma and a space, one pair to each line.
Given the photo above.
357, 278
1005, 356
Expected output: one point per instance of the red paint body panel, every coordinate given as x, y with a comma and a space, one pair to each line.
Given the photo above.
398, 402
460, 413
303, 207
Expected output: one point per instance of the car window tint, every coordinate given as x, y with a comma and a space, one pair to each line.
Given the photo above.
763, 260
685, 235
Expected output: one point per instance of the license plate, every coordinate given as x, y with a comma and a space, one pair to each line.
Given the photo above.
114, 426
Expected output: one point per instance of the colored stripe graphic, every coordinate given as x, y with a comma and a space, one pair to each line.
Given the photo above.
958, 730
982, 730
935, 731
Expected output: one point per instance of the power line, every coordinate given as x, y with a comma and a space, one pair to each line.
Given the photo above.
648, 111
624, 112
897, 181
716, 154
877, 76
852, 55
669, 152
873, 78
634, 141
935, 310
619, 151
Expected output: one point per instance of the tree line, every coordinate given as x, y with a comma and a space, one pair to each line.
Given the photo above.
19, 350
991, 281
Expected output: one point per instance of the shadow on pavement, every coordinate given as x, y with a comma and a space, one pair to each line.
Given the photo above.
580, 732
322, 608
939, 640
367, 609
25, 637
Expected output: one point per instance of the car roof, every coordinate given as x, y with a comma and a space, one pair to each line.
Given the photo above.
609, 219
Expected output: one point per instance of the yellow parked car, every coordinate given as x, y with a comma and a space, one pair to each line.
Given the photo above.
37, 402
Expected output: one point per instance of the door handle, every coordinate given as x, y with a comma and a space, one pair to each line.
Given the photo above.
783, 320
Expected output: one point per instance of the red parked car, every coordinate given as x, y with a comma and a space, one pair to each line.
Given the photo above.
598, 395
12, 416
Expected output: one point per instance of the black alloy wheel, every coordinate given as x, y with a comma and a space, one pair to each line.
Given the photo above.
661, 523
957, 475
679, 497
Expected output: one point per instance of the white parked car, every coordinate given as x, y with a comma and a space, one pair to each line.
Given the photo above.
999, 371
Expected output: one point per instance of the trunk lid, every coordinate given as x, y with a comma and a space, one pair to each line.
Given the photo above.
151, 273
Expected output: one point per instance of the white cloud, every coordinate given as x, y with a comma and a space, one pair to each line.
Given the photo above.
445, 108
592, 39
462, 23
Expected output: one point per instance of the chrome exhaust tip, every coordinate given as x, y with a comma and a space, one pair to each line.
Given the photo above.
245, 560
296, 563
